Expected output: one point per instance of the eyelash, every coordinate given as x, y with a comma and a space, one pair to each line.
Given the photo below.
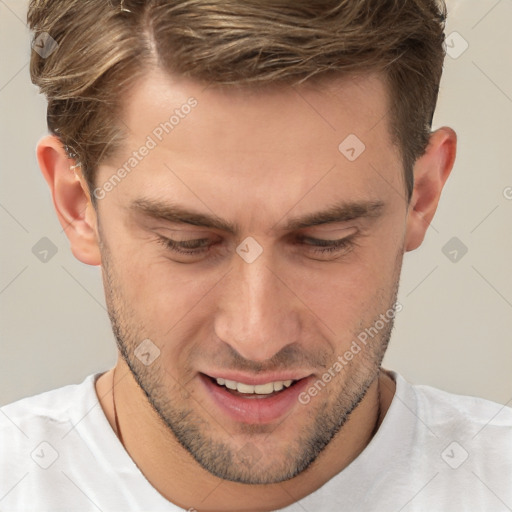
321, 246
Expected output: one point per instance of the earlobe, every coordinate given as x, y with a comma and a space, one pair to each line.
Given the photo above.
430, 174
71, 199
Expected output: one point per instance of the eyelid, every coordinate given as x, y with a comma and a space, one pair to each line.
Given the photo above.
178, 227
332, 233
331, 236
187, 232
301, 238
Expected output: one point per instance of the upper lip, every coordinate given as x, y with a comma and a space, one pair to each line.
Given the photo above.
254, 380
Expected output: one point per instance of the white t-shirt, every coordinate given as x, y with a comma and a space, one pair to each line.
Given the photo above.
434, 451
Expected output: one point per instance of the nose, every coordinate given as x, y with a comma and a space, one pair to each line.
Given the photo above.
257, 313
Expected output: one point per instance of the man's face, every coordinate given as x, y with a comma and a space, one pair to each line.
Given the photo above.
261, 304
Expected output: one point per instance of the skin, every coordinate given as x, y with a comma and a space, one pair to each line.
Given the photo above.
256, 159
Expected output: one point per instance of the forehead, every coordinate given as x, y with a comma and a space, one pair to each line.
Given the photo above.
248, 148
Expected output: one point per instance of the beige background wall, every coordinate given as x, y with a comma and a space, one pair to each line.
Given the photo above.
454, 331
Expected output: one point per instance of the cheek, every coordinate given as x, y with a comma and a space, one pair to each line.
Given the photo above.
167, 297
345, 296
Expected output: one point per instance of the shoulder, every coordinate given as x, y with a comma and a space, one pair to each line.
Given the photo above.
39, 416
52, 402
442, 406
475, 420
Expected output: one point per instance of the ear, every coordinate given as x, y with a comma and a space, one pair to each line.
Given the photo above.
71, 199
430, 174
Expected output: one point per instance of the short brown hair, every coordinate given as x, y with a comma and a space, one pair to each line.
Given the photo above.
106, 45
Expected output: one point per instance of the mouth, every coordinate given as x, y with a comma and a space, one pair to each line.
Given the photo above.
262, 402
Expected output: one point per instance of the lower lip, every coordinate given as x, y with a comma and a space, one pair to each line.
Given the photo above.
259, 409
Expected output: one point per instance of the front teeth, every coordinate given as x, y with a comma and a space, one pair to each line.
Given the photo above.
259, 389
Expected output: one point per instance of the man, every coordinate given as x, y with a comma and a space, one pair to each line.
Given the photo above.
249, 176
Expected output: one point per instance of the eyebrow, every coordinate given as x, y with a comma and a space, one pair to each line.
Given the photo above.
341, 212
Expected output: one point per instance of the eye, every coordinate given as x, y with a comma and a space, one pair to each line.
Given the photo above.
187, 247
321, 246
203, 245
